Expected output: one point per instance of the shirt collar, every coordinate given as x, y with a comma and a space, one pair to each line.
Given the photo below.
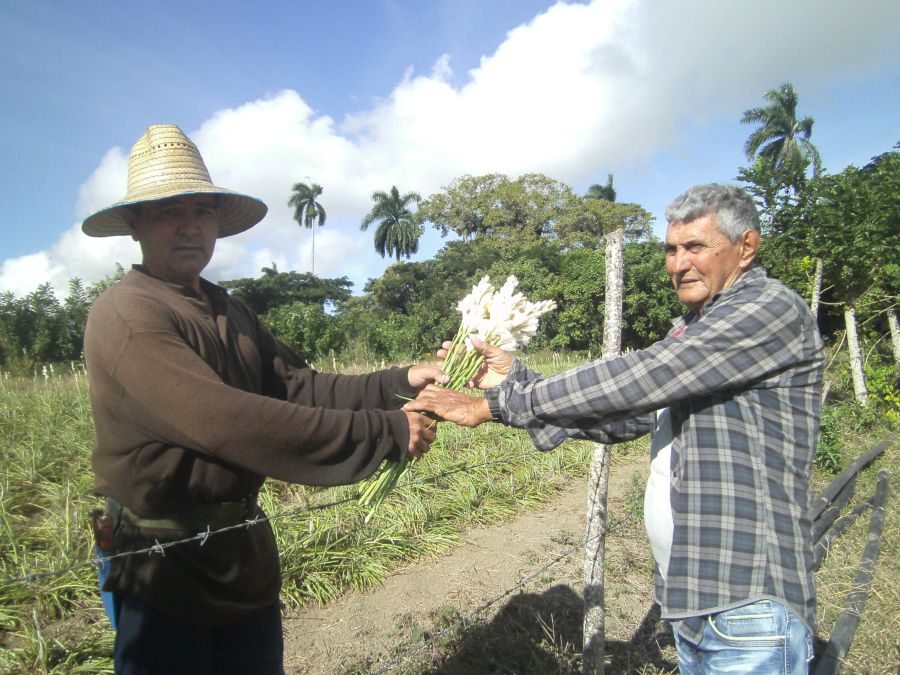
217, 294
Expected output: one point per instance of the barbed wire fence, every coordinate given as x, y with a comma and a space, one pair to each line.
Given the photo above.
160, 548
825, 511
408, 651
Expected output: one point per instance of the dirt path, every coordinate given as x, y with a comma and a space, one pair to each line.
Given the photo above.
368, 626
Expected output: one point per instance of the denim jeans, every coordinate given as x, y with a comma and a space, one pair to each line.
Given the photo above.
762, 637
148, 643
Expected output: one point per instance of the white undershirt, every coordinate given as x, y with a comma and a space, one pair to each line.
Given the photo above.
657, 498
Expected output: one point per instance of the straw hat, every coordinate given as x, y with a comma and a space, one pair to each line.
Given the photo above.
165, 163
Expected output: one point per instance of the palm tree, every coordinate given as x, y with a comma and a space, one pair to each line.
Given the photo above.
781, 146
307, 211
399, 228
782, 140
607, 192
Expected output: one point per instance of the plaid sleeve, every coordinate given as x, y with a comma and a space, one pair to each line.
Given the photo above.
547, 436
744, 337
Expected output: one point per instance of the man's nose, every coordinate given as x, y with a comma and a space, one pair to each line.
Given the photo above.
189, 222
679, 261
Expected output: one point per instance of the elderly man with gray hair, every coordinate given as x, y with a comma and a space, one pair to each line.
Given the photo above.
732, 398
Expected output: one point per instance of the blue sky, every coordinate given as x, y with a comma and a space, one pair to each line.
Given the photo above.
359, 96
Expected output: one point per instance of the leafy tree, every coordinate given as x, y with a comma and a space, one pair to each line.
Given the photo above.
463, 206
32, 330
859, 234
307, 211
591, 220
495, 205
400, 287
274, 289
578, 291
75, 311
307, 329
782, 139
98, 287
399, 228
9, 338
649, 301
530, 205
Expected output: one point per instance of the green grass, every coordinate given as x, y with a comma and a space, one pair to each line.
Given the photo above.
56, 624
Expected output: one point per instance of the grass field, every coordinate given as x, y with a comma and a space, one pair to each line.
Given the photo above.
55, 624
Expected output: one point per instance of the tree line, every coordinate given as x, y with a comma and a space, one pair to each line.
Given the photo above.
832, 237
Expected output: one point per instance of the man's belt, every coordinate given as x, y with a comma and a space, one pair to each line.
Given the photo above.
190, 520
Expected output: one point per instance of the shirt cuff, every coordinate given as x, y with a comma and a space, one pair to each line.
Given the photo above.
493, 399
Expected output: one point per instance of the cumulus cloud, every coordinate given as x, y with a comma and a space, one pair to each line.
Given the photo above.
579, 91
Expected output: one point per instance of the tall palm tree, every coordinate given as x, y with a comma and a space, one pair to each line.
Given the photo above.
307, 211
399, 228
607, 192
782, 139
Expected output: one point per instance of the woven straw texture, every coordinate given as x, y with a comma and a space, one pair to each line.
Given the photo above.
165, 163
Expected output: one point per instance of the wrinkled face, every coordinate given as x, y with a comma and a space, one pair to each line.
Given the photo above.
701, 261
177, 236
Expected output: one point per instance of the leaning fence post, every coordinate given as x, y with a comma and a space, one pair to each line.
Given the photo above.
845, 626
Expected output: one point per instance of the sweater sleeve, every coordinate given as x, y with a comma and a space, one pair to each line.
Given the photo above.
294, 380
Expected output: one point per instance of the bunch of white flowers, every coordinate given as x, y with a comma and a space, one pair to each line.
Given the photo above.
502, 318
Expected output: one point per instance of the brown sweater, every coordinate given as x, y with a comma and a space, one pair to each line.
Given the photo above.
192, 408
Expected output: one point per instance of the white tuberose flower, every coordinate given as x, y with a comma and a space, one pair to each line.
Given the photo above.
473, 307
502, 318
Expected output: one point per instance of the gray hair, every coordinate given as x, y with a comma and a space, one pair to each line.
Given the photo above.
733, 208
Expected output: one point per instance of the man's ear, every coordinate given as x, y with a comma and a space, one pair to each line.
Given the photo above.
130, 218
749, 247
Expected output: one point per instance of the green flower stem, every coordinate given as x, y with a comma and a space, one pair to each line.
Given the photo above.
461, 365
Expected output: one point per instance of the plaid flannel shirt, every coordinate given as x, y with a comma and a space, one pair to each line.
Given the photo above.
743, 382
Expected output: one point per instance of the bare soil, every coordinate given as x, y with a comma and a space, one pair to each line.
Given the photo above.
523, 576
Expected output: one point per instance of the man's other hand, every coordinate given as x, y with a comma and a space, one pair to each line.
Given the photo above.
424, 373
495, 368
451, 406
422, 431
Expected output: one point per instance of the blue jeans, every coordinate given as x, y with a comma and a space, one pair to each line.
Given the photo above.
762, 637
148, 643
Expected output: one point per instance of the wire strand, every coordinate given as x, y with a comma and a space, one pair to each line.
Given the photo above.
159, 548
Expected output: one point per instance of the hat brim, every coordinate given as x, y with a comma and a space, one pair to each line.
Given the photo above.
237, 212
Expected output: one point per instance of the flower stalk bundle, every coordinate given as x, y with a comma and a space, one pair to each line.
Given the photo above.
500, 317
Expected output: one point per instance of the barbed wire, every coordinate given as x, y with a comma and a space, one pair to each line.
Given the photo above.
159, 548
469, 618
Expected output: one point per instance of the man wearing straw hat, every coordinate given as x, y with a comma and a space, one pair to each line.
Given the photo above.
194, 404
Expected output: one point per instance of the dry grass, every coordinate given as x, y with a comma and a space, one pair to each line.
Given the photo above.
875, 644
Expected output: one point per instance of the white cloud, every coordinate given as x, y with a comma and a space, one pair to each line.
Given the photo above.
106, 185
17, 275
579, 91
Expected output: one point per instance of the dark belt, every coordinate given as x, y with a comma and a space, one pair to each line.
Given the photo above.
193, 519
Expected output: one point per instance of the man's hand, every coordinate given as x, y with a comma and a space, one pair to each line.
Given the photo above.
422, 431
424, 373
451, 406
496, 364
